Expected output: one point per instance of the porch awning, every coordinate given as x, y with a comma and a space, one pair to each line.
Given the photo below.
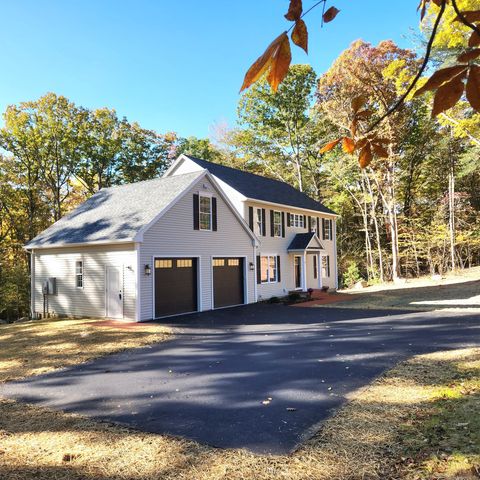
305, 242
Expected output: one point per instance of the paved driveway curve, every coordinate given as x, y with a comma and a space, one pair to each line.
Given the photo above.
209, 383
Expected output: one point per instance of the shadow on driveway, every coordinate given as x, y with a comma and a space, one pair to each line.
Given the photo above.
260, 377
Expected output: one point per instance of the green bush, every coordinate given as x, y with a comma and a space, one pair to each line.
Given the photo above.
352, 275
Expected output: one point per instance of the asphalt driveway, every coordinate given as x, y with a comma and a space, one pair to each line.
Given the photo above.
261, 377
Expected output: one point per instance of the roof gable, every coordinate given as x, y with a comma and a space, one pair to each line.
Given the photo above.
257, 187
115, 214
305, 241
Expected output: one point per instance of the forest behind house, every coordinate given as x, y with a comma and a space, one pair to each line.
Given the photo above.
412, 213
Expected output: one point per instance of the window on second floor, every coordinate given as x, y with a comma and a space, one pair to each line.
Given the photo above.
277, 224
205, 212
327, 229
297, 220
259, 222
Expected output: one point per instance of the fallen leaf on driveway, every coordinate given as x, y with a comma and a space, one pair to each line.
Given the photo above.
291, 409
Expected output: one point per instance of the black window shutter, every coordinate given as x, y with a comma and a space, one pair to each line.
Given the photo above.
288, 220
259, 273
315, 267
304, 221
283, 224
196, 223
323, 229
214, 214
264, 225
331, 229
318, 227
309, 223
328, 265
278, 268
272, 226
250, 218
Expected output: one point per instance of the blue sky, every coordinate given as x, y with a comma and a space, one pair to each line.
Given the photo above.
170, 65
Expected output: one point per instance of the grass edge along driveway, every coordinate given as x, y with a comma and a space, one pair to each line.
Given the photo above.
418, 420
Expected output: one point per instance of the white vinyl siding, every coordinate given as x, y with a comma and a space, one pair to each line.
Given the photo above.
88, 301
271, 244
172, 236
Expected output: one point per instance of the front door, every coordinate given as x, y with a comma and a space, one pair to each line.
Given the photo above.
298, 272
114, 292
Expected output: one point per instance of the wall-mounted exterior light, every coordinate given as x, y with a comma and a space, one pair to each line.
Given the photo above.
251, 266
148, 270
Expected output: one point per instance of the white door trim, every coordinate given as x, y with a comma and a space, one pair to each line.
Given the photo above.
120, 269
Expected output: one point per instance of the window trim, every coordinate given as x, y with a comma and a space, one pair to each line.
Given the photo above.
277, 224
326, 267
296, 220
327, 227
259, 221
269, 257
200, 213
80, 275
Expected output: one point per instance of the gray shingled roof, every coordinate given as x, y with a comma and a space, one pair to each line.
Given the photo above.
261, 188
115, 214
301, 241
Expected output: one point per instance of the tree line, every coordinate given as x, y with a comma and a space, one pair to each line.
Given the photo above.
413, 210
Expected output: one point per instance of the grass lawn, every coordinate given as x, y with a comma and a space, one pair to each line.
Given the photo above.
420, 420
458, 290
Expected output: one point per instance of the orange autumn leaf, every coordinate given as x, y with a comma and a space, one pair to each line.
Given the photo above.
294, 10
348, 145
263, 63
470, 16
300, 35
473, 87
468, 56
440, 77
280, 63
474, 40
448, 94
358, 102
330, 146
365, 157
330, 14
379, 150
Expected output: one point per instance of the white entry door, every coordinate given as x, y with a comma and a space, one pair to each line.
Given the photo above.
114, 292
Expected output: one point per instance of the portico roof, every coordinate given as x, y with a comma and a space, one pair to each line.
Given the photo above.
302, 242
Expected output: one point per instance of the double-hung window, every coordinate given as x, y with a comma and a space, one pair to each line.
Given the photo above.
259, 222
325, 266
79, 274
327, 229
277, 224
205, 212
268, 269
297, 220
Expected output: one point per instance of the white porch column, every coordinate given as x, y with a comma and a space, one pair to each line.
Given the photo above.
319, 270
304, 271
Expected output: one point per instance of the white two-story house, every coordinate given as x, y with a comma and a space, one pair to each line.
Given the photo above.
204, 236
297, 235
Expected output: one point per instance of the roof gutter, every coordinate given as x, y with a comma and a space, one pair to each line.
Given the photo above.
284, 205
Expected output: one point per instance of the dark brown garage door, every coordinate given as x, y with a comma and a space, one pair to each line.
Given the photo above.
227, 282
175, 286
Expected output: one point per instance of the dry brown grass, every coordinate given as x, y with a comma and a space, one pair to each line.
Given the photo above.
379, 434
36, 347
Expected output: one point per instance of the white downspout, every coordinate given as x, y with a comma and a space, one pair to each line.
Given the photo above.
32, 283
